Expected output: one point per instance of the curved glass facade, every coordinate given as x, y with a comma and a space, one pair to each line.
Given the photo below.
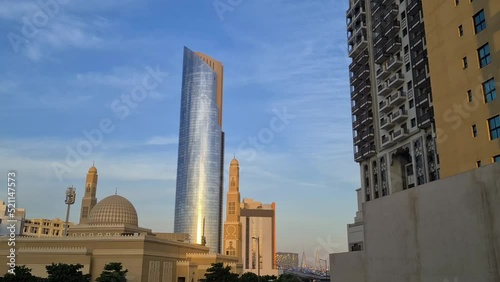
198, 198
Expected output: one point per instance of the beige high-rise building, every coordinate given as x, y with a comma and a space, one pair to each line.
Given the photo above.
463, 45
232, 225
89, 200
258, 222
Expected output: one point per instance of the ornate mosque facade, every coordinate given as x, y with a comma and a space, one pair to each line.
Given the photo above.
109, 231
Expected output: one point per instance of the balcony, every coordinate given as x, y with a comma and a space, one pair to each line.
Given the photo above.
419, 58
392, 27
420, 76
425, 120
381, 56
356, 140
399, 134
394, 63
382, 72
385, 123
365, 134
394, 45
378, 8
364, 119
399, 116
362, 104
386, 140
384, 106
396, 80
364, 152
397, 98
357, 44
383, 89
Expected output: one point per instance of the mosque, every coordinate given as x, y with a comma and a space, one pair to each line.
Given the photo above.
109, 231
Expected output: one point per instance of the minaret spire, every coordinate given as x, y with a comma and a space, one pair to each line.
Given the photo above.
232, 226
89, 200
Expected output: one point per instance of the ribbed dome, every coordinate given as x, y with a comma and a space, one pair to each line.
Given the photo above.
113, 210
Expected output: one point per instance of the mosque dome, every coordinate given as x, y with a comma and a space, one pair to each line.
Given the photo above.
235, 162
114, 209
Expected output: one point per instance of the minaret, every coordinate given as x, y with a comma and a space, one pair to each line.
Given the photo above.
232, 226
89, 200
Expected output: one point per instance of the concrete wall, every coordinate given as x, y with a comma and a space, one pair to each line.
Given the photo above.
347, 267
448, 230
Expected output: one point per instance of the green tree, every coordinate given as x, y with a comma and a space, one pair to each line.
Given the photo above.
113, 273
267, 278
287, 277
21, 274
66, 272
218, 273
249, 277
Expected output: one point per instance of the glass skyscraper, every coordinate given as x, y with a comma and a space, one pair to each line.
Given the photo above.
198, 198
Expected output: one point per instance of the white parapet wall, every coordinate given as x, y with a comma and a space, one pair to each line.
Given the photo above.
444, 231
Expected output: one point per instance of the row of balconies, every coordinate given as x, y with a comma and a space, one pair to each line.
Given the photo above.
394, 100
363, 136
364, 119
359, 61
395, 137
360, 74
362, 90
362, 103
396, 117
353, 15
353, 30
357, 44
393, 63
425, 120
364, 152
393, 11
393, 83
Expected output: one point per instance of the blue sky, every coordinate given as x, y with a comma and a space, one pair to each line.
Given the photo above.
61, 73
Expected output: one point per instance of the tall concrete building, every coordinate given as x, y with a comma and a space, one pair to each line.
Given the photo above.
463, 45
232, 225
394, 134
89, 199
199, 188
393, 120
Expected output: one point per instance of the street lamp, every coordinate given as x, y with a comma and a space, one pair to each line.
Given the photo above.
258, 256
70, 199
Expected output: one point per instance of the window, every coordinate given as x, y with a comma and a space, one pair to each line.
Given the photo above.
407, 67
457, 2
474, 130
494, 124
478, 164
406, 49
412, 104
489, 90
460, 31
496, 159
479, 21
413, 122
464, 62
469, 95
484, 55
405, 31
232, 208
